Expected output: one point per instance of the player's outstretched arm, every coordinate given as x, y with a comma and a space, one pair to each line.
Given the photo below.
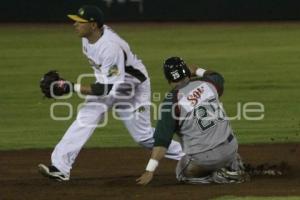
157, 154
198, 71
210, 76
53, 85
97, 89
193, 68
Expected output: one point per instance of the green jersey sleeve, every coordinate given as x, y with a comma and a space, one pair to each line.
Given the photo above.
217, 80
166, 125
214, 78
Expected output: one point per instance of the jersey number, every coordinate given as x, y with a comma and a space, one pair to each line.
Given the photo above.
201, 115
208, 115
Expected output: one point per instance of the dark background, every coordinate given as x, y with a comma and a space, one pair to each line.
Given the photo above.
153, 10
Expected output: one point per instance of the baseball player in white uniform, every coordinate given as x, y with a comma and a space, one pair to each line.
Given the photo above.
122, 83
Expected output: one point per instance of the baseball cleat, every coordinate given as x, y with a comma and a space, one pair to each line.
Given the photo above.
52, 172
225, 176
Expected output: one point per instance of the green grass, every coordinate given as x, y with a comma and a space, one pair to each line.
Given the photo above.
257, 198
260, 63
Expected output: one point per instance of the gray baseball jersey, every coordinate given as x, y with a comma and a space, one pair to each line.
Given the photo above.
194, 112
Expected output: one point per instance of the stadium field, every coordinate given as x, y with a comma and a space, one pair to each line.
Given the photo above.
260, 63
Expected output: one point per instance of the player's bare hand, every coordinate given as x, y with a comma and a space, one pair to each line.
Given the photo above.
145, 178
193, 69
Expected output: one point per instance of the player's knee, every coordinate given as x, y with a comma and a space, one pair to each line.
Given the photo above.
181, 165
187, 169
193, 170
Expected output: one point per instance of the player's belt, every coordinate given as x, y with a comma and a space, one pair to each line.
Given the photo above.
135, 73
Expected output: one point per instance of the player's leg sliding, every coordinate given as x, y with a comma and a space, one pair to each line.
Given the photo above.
187, 172
139, 126
200, 169
221, 176
198, 180
174, 151
52, 172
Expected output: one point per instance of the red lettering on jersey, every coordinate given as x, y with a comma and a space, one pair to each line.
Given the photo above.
192, 99
196, 94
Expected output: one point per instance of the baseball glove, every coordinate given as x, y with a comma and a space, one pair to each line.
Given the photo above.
53, 85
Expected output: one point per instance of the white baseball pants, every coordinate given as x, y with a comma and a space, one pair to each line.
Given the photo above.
137, 122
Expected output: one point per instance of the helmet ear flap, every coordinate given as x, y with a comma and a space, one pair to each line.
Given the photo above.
175, 69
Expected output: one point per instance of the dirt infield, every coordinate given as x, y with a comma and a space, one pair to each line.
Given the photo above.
110, 173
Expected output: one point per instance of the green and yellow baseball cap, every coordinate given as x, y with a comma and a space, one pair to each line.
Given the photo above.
88, 13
